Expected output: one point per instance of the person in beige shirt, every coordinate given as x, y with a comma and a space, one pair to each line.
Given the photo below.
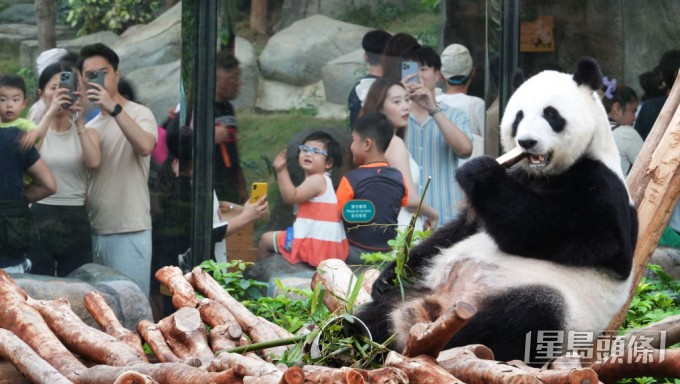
118, 195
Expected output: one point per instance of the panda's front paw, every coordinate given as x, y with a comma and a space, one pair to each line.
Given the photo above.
384, 283
478, 172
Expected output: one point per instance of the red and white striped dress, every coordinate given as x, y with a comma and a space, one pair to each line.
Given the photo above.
318, 230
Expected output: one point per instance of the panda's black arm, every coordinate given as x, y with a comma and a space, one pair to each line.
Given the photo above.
561, 218
420, 255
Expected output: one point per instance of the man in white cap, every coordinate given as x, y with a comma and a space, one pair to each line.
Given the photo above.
457, 72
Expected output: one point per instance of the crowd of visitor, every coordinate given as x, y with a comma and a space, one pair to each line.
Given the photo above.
75, 183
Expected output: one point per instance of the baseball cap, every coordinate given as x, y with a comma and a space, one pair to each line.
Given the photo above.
456, 64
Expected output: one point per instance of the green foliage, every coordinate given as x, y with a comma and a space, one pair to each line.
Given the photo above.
382, 15
89, 16
230, 277
291, 309
655, 299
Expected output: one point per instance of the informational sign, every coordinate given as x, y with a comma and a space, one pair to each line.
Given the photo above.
358, 211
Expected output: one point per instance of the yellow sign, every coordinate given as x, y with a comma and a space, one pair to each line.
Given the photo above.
537, 35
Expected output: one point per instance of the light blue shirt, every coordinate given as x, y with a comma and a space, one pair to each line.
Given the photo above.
435, 158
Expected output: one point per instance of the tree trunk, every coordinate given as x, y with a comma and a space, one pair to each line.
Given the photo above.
46, 16
160, 372
258, 16
654, 184
185, 334
183, 295
430, 339
421, 369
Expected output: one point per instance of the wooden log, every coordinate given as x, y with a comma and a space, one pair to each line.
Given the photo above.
185, 333
152, 335
293, 375
26, 323
26, 361
339, 282
257, 328
160, 372
183, 294
558, 376
264, 371
474, 364
87, 342
131, 377
654, 184
384, 375
216, 314
220, 338
668, 327
317, 374
108, 322
644, 363
421, 369
430, 339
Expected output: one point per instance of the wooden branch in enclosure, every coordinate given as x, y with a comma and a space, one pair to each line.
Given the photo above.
421, 369
183, 294
131, 377
160, 372
185, 333
642, 363
474, 363
654, 184
293, 375
267, 372
558, 376
430, 339
24, 321
151, 333
87, 342
339, 282
317, 374
26, 361
257, 328
108, 322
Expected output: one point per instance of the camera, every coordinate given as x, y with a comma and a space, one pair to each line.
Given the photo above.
409, 68
69, 80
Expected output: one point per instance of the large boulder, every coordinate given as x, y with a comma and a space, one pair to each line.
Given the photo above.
341, 74
12, 36
123, 296
294, 10
29, 48
17, 11
157, 87
250, 73
297, 54
158, 42
277, 96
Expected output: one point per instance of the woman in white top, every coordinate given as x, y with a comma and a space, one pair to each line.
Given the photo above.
391, 98
620, 101
70, 150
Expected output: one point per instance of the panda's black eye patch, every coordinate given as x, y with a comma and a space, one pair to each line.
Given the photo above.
518, 117
553, 117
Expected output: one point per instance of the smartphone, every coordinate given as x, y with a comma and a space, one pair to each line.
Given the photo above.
69, 80
96, 77
409, 68
257, 190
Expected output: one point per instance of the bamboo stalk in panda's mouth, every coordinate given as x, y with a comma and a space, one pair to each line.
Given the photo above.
512, 157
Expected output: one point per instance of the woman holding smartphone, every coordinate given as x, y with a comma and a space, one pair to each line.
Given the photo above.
389, 96
70, 150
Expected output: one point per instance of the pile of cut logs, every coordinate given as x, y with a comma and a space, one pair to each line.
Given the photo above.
48, 343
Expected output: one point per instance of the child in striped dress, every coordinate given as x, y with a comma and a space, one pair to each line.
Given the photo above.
317, 233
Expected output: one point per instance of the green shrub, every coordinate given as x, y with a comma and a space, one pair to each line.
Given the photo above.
89, 16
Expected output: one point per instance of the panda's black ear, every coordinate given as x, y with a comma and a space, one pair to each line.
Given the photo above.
588, 73
517, 78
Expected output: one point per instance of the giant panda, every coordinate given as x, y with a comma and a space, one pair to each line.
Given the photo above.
546, 245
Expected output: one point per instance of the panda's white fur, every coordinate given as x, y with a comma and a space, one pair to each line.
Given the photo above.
575, 280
